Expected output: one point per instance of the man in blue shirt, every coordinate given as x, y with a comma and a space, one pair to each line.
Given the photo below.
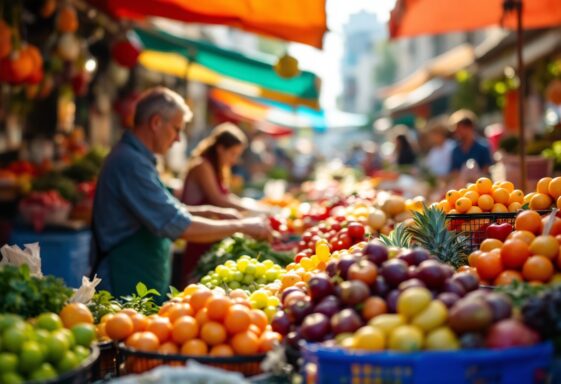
468, 145
135, 217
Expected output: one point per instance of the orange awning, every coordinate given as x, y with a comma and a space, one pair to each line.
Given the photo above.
302, 21
427, 17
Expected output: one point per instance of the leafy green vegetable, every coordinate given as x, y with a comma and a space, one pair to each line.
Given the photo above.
103, 303
232, 248
29, 296
55, 180
142, 301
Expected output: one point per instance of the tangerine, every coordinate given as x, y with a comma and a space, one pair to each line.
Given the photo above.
238, 293
538, 268
259, 319
75, 313
129, 311
245, 343
485, 202
217, 307
501, 196
119, 327
499, 208
543, 185
194, 347
558, 203
525, 236
507, 185
161, 327
507, 277
185, 328
514, 254
221, 350
463, 204
484, 185
238, 319
168, 348
540, 202
529, 221
143, 341
452, 195
202, 316
179, 310
373, 306
474, 209
489, 244
473, 196
516, 196
545, 245
139, 321
472, 258
213, 333
554, 188
199, 298
268, 341
489, 265
514, 207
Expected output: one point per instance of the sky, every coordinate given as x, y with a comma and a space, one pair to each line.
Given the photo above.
338, 12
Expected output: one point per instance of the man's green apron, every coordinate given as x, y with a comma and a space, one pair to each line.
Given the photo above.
143, 257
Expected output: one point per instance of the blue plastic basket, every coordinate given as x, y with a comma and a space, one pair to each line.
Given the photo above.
511, 366
64, 253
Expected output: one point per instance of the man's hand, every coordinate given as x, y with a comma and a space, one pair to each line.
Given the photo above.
225, 213
257, 227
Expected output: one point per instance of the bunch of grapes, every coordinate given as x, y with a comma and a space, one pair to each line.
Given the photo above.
246, 273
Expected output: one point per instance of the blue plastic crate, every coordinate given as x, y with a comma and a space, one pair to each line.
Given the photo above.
65, 254
511, 366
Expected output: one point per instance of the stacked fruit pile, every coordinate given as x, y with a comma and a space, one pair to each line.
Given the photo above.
484, 196
525, 254
203, 322
45, 347
548, 194
403, 301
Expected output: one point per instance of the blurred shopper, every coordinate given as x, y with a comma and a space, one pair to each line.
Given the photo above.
439, 158
135, 217
468, 144
208, 178
405, 154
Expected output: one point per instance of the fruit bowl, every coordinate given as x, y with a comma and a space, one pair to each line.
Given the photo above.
134, 361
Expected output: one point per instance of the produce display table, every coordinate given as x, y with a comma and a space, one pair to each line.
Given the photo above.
64, 253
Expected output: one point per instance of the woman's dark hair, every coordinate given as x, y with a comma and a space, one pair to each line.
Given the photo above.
406, 154
226, 135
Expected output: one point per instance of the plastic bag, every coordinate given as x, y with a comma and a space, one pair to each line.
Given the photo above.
86, 292
30, 255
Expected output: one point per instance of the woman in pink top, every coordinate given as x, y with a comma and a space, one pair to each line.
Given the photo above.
207, 180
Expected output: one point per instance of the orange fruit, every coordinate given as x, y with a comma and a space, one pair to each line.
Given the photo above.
462, 191
514, 254
119, 327
473, 196
484, 185
254, 329
452, 212
555, 228
221, 350
501, 195
202, 316
543, 185
246, 303
525, 236
75, 313
168, 348
106, 317
191, 288
507, 185
199, 298
372, 307
489, 244
540, 201
217, 307
507, 277
546, 246
444, 205
245, 343
213, 333
554, 188
528, 197
474, 209
165, 308
514, 207
143, 341
259, 319
195, 347
238, 319
129, 311
485, 202
140, 322
238, 293
185, 328
516, 196
472, 187
451, 196
499, 208
538, 268
161, 327
489, 265
529, 221
179, 310
268, 341
472, 258
462, 204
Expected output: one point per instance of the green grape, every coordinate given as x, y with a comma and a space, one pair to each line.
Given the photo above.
242, 264
214, 282
260, 281
227, 277
271, 275
245, 257
273, 301
206, 279
222, 271
237, 276
250, 269
230, 264
247, 279
260, 269
234, 285
268, 263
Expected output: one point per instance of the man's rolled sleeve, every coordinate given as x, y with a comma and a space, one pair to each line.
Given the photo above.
177, 225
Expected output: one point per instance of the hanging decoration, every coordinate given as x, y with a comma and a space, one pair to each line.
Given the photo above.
67, 19
287, 67
125, 52
5, 39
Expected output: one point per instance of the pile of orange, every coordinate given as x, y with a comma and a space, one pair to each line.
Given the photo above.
483, 196
204, 322
526, 255
548, 193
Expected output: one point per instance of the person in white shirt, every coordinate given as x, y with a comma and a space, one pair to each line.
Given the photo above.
439, 157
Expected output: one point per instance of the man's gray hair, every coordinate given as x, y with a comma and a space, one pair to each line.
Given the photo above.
162, 101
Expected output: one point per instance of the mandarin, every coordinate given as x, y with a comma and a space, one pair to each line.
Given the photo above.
119, 327
213, 333
245, 343
529, 221
514, 254
194, 347
238, 319
185, 328
543, 185
538, 268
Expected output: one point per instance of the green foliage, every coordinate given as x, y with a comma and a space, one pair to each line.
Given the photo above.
467, 94
30, 296
142, 301
232, 248
55, 180
103, 303
554, 152
520, 291
399, 237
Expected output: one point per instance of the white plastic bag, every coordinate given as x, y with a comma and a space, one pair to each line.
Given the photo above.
30, 255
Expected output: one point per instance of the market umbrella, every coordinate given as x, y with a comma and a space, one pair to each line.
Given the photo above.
291, 20
418, 17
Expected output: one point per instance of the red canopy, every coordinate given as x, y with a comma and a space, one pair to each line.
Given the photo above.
302, 21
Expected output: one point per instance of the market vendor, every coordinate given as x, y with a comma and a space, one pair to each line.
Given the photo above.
135, 217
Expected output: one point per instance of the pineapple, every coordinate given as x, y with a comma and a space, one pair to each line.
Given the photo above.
430, 232
399, 237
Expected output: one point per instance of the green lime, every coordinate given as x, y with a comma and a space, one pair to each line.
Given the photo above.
41, 337
57, 345
8, 362
69, 336
8, 321
68, 362
49, 321
11, 378
45, 372
82, 352
30, 356
84, 334
13, 338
